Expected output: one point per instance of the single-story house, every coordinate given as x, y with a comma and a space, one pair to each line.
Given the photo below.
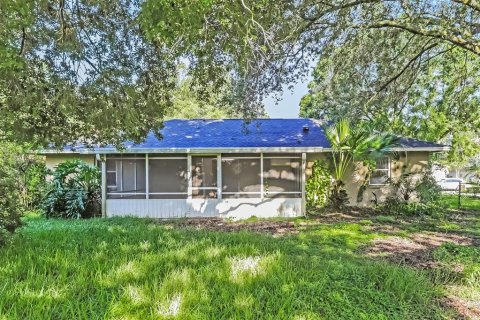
228, 168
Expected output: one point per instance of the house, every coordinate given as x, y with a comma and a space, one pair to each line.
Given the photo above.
229, 168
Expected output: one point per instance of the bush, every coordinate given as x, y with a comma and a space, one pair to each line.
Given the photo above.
318, 186
10, 191
73, 192
412, 196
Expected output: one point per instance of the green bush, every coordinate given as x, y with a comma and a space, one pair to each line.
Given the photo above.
11, 208
318, 186
73, 192
412, 196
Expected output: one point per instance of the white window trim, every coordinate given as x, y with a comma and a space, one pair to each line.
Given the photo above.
389, 173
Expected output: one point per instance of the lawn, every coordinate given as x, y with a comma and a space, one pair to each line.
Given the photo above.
466, 202
315, 268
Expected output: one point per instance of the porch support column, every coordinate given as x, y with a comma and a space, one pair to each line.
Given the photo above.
189, 176
147, 182
103, 161
219, 177
304, 180
262, 192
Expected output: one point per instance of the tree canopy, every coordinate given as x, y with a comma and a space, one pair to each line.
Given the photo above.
106, 71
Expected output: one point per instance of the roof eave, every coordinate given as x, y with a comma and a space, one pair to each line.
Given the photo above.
185, 150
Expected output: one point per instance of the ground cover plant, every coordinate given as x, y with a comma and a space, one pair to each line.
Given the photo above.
329, 267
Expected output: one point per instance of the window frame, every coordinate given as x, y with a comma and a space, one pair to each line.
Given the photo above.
243, 156
191, 188
176, 157
388, 169
119, 171
272, 194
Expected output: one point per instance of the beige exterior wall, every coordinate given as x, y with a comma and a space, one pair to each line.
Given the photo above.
412, 161
52, 160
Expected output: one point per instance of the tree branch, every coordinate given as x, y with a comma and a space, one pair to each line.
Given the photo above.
475, 5
22, 43
410, 62
472, 46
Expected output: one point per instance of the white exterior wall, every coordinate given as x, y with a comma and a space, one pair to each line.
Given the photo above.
224, 208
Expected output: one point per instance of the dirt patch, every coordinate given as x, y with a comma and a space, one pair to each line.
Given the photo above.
416, 249
465, 309
216, 224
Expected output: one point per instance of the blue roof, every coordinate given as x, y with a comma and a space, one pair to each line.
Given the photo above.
238, 134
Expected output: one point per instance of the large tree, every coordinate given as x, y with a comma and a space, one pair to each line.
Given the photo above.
265, 42
432, 96
97, 70
409, 66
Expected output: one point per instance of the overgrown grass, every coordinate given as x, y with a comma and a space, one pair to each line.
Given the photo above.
138, 269
468, 203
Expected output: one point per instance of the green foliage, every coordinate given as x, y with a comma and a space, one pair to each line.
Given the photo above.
21, 180
10, 199
434, 100
411, 195
192, 101
352, 143
317, 186
73, 192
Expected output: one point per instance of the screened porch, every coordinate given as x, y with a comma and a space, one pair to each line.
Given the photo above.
179, 185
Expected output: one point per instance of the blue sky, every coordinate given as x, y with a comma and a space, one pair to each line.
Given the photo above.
288, 106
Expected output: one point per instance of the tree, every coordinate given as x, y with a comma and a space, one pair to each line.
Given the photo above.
266, 43
351, 144
189, 103
20, 175
104, 71
432, 97
79, 71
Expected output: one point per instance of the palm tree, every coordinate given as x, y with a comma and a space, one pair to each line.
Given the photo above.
353, 143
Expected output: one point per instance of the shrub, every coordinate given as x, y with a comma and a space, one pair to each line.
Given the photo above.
317, 186
411, 196
10, 191
73, 192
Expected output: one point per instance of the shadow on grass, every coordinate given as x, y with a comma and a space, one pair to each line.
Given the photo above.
135, 269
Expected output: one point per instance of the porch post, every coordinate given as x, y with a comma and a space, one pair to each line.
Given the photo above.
262, 192
103, 161
304, 180
219, 177
189, 176
147, 182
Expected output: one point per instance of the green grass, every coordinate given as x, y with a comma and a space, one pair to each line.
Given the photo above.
468, 203
138, 269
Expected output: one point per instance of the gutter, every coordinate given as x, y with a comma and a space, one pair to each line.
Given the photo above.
185, 150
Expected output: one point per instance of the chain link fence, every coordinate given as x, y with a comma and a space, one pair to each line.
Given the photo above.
462, 195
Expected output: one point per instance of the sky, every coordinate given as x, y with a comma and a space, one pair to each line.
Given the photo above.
288, 106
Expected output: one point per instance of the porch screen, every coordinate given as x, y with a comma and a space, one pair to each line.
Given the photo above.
241, 176
167, 178
282, 176
204, 177
126, 177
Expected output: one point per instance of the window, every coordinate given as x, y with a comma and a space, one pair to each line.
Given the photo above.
241, 176
381, 174
282, 176
126, 178
204, 177
167, 178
